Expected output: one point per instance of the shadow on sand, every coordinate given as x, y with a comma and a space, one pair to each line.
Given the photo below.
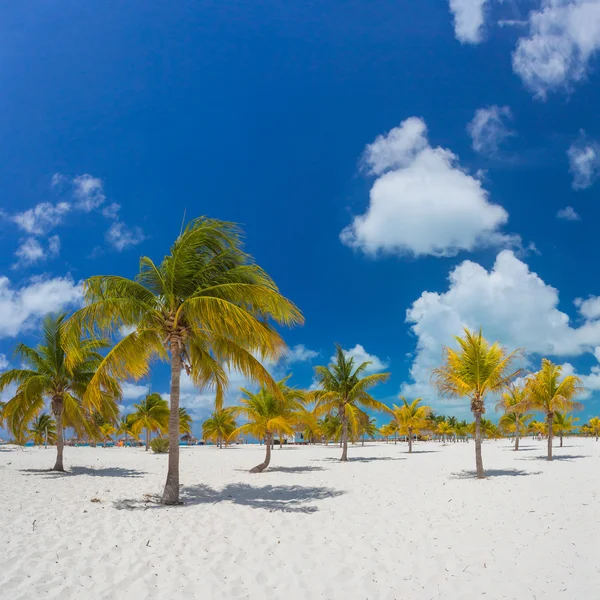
360, 458
494, 473
110, 472
544, 457
283, 498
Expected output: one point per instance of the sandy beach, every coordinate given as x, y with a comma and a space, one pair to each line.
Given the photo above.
385, 525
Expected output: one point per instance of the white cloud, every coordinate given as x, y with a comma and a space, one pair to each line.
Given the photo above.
119, 236
21, 308
300, 353
488, 129
132, 391
88, 192
423, 202
111, 211
469, 18
360, 355
511, 304
589, 308
31, 251
563, 37
3, 362
42, 218
568, 214
584, 161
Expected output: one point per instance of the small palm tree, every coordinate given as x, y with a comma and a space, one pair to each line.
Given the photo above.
546, 393
267, 416
594, 427
476, 369
219, 426
538, 428
344, 390
106, 431
43, 430
331, 428
59, 373
563, 425
151, 414
127, 427
411, 418
512, 405
185, 422
444, 430
207, 306
367, 427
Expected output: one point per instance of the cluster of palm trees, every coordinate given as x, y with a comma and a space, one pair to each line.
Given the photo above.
208, 308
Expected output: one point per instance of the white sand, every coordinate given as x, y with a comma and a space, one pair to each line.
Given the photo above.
386, 525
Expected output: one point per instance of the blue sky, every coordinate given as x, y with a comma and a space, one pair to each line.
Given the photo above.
401, 169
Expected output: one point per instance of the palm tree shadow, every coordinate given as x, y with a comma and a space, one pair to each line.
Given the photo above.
110, 472
301, 469
361, 459
556, 457
280, 498
494, 473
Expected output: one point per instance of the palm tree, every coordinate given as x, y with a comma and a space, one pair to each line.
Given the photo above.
367, 427
594, 427
444, 429
151, 414
538, 428
127, 427
563, 424
268, 415
344, 390
106, 430
514, 418
43, 430
411, 418
185, 422
546, 394
61, 373
205, 308
473, 371
331, 427
219, 426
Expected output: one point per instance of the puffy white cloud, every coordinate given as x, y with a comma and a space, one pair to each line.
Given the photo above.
42, 218
32, 251
21, 308
590, 307
4, 363
423, 202
512, 304
563, 37
568, 214
132, 391
88, 192
584, 161
119, 236
111, 211
360, 355
300, 353
488, 128
469, 18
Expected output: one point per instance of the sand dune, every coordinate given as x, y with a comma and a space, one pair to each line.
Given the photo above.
386, 525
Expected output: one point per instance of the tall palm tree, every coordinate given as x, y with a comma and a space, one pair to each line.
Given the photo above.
473, 371
219, 426
344, 391
411, 418
205, 308
43, 430
563, 424
547, 394
511, 404
151, 414
185, 422
127, 427
61, 373
268, 415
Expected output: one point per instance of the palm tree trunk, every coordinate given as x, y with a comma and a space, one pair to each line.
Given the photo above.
263, 465
363, 439
60, 441
517, 435
550, 420
171, 491
344, 439
478, 457
220, 442
561, 440
147, 439
410, 441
